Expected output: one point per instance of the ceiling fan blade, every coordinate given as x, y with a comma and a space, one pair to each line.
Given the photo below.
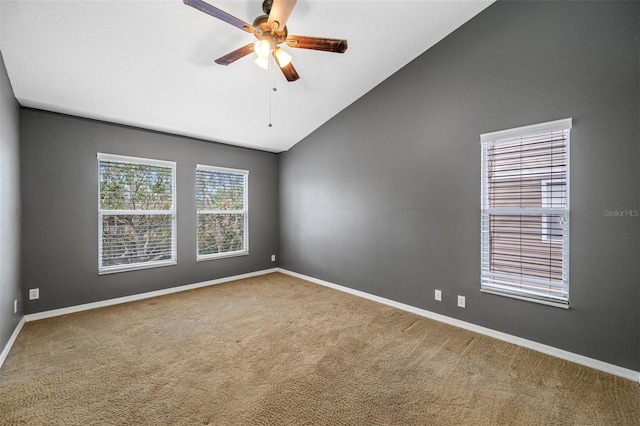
279, 14
230, 58
220, 14
317, 43
288, 70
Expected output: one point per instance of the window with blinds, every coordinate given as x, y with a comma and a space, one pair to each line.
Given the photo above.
136, 213
222, 212
525, 212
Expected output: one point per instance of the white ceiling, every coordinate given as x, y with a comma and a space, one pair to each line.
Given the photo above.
151, 64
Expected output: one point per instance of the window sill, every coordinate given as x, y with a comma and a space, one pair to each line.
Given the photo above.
207, 257
136, 267
527, 299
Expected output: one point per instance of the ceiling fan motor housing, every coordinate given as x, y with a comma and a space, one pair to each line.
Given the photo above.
264, 31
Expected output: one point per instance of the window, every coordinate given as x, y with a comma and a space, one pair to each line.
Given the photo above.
136, 213
525, 212
222, 210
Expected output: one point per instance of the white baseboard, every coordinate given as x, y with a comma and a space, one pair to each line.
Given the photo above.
549, 350
12, 340
141, 296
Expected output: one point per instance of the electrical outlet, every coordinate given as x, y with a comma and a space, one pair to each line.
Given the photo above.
34, 293
462, 302
273, 257
438, 295
15, 306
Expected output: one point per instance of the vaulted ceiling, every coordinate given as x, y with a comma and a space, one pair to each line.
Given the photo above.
151, 64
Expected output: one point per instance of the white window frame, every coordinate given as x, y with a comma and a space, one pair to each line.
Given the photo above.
141, 265
490, 282
245, 211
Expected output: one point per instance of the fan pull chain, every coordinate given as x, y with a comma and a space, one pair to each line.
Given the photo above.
273, 74
270, 125
271, 80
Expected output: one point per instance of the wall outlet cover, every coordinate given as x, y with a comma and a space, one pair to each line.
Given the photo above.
34, 293
438, 295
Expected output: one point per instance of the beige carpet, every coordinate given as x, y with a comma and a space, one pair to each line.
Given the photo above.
276, 350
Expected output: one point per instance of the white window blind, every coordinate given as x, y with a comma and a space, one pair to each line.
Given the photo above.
137, 214
525, 212
222, 210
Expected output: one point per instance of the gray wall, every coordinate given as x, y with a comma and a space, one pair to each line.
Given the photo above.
9, 208
60, 219
385, 198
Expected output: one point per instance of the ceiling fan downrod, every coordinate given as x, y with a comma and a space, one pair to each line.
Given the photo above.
266, 6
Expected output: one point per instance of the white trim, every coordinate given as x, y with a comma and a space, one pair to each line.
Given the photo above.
214, 256
549, 350
531, 211
113, 158
136, 212
562, 305
222, 169
136, 266
549, 126
7, 348
141, 296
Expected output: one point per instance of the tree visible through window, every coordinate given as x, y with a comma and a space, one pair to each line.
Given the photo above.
136, 213
221, 202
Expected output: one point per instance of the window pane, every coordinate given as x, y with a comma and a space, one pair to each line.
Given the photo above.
517, 171
131, 239
518, 247
219, 191
126, 186
220, 233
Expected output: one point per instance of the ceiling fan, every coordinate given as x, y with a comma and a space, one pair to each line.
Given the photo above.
271, 31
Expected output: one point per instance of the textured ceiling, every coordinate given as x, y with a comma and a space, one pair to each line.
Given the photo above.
151, 64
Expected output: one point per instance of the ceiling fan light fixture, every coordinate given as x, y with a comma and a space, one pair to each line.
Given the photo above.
262, 62
262, 48
283, 57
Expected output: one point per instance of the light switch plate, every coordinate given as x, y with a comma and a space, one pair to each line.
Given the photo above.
462, 302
